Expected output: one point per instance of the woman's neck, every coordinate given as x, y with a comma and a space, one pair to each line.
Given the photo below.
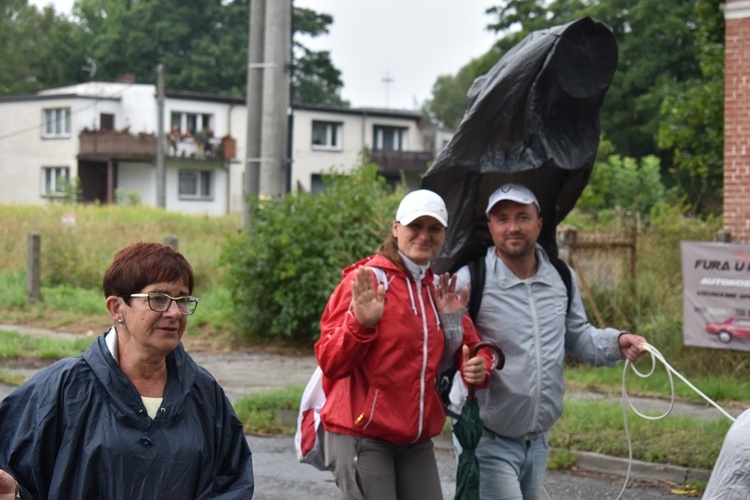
417, 271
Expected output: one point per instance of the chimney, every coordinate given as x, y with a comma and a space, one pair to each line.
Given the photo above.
126, 78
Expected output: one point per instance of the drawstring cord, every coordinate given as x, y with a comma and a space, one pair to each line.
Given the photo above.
411, 296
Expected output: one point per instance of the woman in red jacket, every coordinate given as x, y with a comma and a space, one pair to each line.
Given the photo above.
386, 333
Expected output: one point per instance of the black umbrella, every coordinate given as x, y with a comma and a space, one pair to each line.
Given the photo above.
468, 429
532, 119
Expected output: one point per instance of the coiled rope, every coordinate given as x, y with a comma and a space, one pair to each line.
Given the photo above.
655, 355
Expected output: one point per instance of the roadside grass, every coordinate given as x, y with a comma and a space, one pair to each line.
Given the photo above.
270, 412
720, 388
17, 345
598, 426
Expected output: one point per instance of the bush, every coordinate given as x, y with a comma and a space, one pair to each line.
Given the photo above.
282, 273
623, 183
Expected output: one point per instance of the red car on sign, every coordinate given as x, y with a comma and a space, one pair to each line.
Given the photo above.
731, 328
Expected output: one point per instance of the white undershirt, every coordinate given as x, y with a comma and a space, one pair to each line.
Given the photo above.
152, 404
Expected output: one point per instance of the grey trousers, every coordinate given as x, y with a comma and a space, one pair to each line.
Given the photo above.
370, 469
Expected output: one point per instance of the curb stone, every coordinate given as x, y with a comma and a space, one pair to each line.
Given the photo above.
616, 466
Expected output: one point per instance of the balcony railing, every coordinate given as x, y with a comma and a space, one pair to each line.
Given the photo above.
143, 146
397, 161
117, 145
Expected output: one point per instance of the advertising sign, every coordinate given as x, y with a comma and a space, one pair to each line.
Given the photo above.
716, 295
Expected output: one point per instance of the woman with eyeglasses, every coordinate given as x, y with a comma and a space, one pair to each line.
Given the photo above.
134, 416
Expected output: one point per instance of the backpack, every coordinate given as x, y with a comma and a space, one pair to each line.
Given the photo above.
477, 271
309, 440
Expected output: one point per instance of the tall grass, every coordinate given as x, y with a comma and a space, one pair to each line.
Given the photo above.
78, 255
651, 305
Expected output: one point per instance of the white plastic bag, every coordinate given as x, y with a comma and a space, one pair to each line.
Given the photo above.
309, 439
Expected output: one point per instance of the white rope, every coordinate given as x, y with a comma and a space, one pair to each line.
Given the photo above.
655, 354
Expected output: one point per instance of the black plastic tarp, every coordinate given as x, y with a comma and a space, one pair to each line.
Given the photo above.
534, 119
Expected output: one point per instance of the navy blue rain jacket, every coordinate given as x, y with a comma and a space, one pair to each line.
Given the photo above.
78, 429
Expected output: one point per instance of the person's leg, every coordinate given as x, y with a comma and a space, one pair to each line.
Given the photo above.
500, 461
376, 470
340, 451
534, 467
363, 468
417, 475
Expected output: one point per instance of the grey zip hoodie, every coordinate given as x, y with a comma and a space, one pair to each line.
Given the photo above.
529, 320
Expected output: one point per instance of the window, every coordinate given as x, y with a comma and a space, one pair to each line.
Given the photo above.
326, 135
190, 122
56, 122
389, 138
106, 122
55, 180
196, 184
317, 185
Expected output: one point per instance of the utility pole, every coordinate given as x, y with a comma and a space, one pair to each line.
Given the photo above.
254, 105
276, 98
161, 170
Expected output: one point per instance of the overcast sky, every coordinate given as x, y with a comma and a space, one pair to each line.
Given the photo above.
390, 52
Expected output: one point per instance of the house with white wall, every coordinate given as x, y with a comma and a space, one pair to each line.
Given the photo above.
104, 134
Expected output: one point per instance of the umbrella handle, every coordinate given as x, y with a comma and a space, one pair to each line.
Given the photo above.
500, 361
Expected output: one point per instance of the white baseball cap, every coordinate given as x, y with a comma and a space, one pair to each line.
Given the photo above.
420, 203
513, 192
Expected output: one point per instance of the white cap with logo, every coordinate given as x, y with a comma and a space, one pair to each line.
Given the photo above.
513, 192
420, 203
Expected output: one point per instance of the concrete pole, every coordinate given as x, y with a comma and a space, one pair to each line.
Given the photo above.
254, 102
273, 170
161, 169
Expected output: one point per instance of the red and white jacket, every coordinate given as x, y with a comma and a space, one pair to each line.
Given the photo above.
380, 382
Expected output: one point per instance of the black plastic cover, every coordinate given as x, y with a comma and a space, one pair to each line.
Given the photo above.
533, 119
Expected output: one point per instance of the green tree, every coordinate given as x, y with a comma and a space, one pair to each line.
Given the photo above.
315, 80
692, 121
203, 46
28, 38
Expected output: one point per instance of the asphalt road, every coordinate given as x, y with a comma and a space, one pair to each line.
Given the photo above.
279, 476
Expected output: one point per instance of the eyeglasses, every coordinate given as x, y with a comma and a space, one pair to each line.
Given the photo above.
161, 302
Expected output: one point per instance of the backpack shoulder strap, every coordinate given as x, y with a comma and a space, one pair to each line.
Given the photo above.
380, 276
477, 272
564, 272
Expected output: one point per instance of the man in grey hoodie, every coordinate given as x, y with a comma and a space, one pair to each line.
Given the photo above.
524, 310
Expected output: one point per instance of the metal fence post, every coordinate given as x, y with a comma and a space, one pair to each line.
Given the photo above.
33, 267
723, 236
172, 241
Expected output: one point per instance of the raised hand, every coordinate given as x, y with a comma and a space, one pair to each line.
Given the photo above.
368, 302
446, 299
